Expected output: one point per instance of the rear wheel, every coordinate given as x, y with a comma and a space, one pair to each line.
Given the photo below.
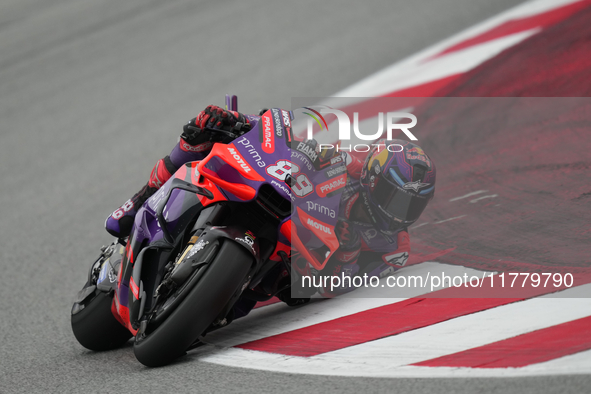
198, 309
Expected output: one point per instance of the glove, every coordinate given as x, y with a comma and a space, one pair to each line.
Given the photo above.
213, 117
195, 135
219, 118
348, 238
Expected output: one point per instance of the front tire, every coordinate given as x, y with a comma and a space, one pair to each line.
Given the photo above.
198, 310
95, 327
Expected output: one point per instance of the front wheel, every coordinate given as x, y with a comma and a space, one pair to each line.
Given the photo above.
95, 326
199, 308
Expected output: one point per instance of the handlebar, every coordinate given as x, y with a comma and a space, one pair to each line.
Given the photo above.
230, 135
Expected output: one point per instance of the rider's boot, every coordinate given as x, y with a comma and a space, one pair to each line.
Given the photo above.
120, 222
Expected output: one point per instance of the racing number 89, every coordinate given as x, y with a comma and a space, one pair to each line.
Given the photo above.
302, 186
118, 214
283, 168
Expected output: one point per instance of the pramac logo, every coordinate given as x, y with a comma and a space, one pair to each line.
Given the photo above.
268, 143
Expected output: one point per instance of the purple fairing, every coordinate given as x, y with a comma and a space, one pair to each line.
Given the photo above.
263, 163
322, 205
146, 223
146, 229
146, 226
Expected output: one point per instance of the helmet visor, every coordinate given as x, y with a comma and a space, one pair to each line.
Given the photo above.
399, 203
406, 206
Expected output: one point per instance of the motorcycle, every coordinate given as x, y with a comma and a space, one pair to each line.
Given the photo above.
209, 237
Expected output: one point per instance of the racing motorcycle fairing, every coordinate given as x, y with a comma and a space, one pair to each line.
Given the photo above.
257, 192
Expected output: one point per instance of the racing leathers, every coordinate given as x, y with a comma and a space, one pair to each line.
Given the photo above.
363, 249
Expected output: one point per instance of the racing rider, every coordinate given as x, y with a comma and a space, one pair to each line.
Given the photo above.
384, 195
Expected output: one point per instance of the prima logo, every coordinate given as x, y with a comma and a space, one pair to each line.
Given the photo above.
252, 151
344, 126
314, 206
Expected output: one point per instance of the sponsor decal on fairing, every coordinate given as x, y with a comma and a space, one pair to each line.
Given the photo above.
239, 159
283, 189
268, 143
307, 150
332, 172
315, 207
322, 227
252, 151
331, 185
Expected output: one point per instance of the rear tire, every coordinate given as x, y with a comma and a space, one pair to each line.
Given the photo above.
96, 328
198, 310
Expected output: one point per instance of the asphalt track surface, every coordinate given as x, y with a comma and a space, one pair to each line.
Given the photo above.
523, 136
93, 93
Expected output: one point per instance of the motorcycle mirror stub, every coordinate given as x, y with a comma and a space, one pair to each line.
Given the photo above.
231, 102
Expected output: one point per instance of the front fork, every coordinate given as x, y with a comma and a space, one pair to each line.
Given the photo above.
177, 270
102, 275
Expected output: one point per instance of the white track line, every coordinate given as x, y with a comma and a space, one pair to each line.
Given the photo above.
483, 197
389, 357
470, 331
468, 195
447, 220
382, 81
398, 78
